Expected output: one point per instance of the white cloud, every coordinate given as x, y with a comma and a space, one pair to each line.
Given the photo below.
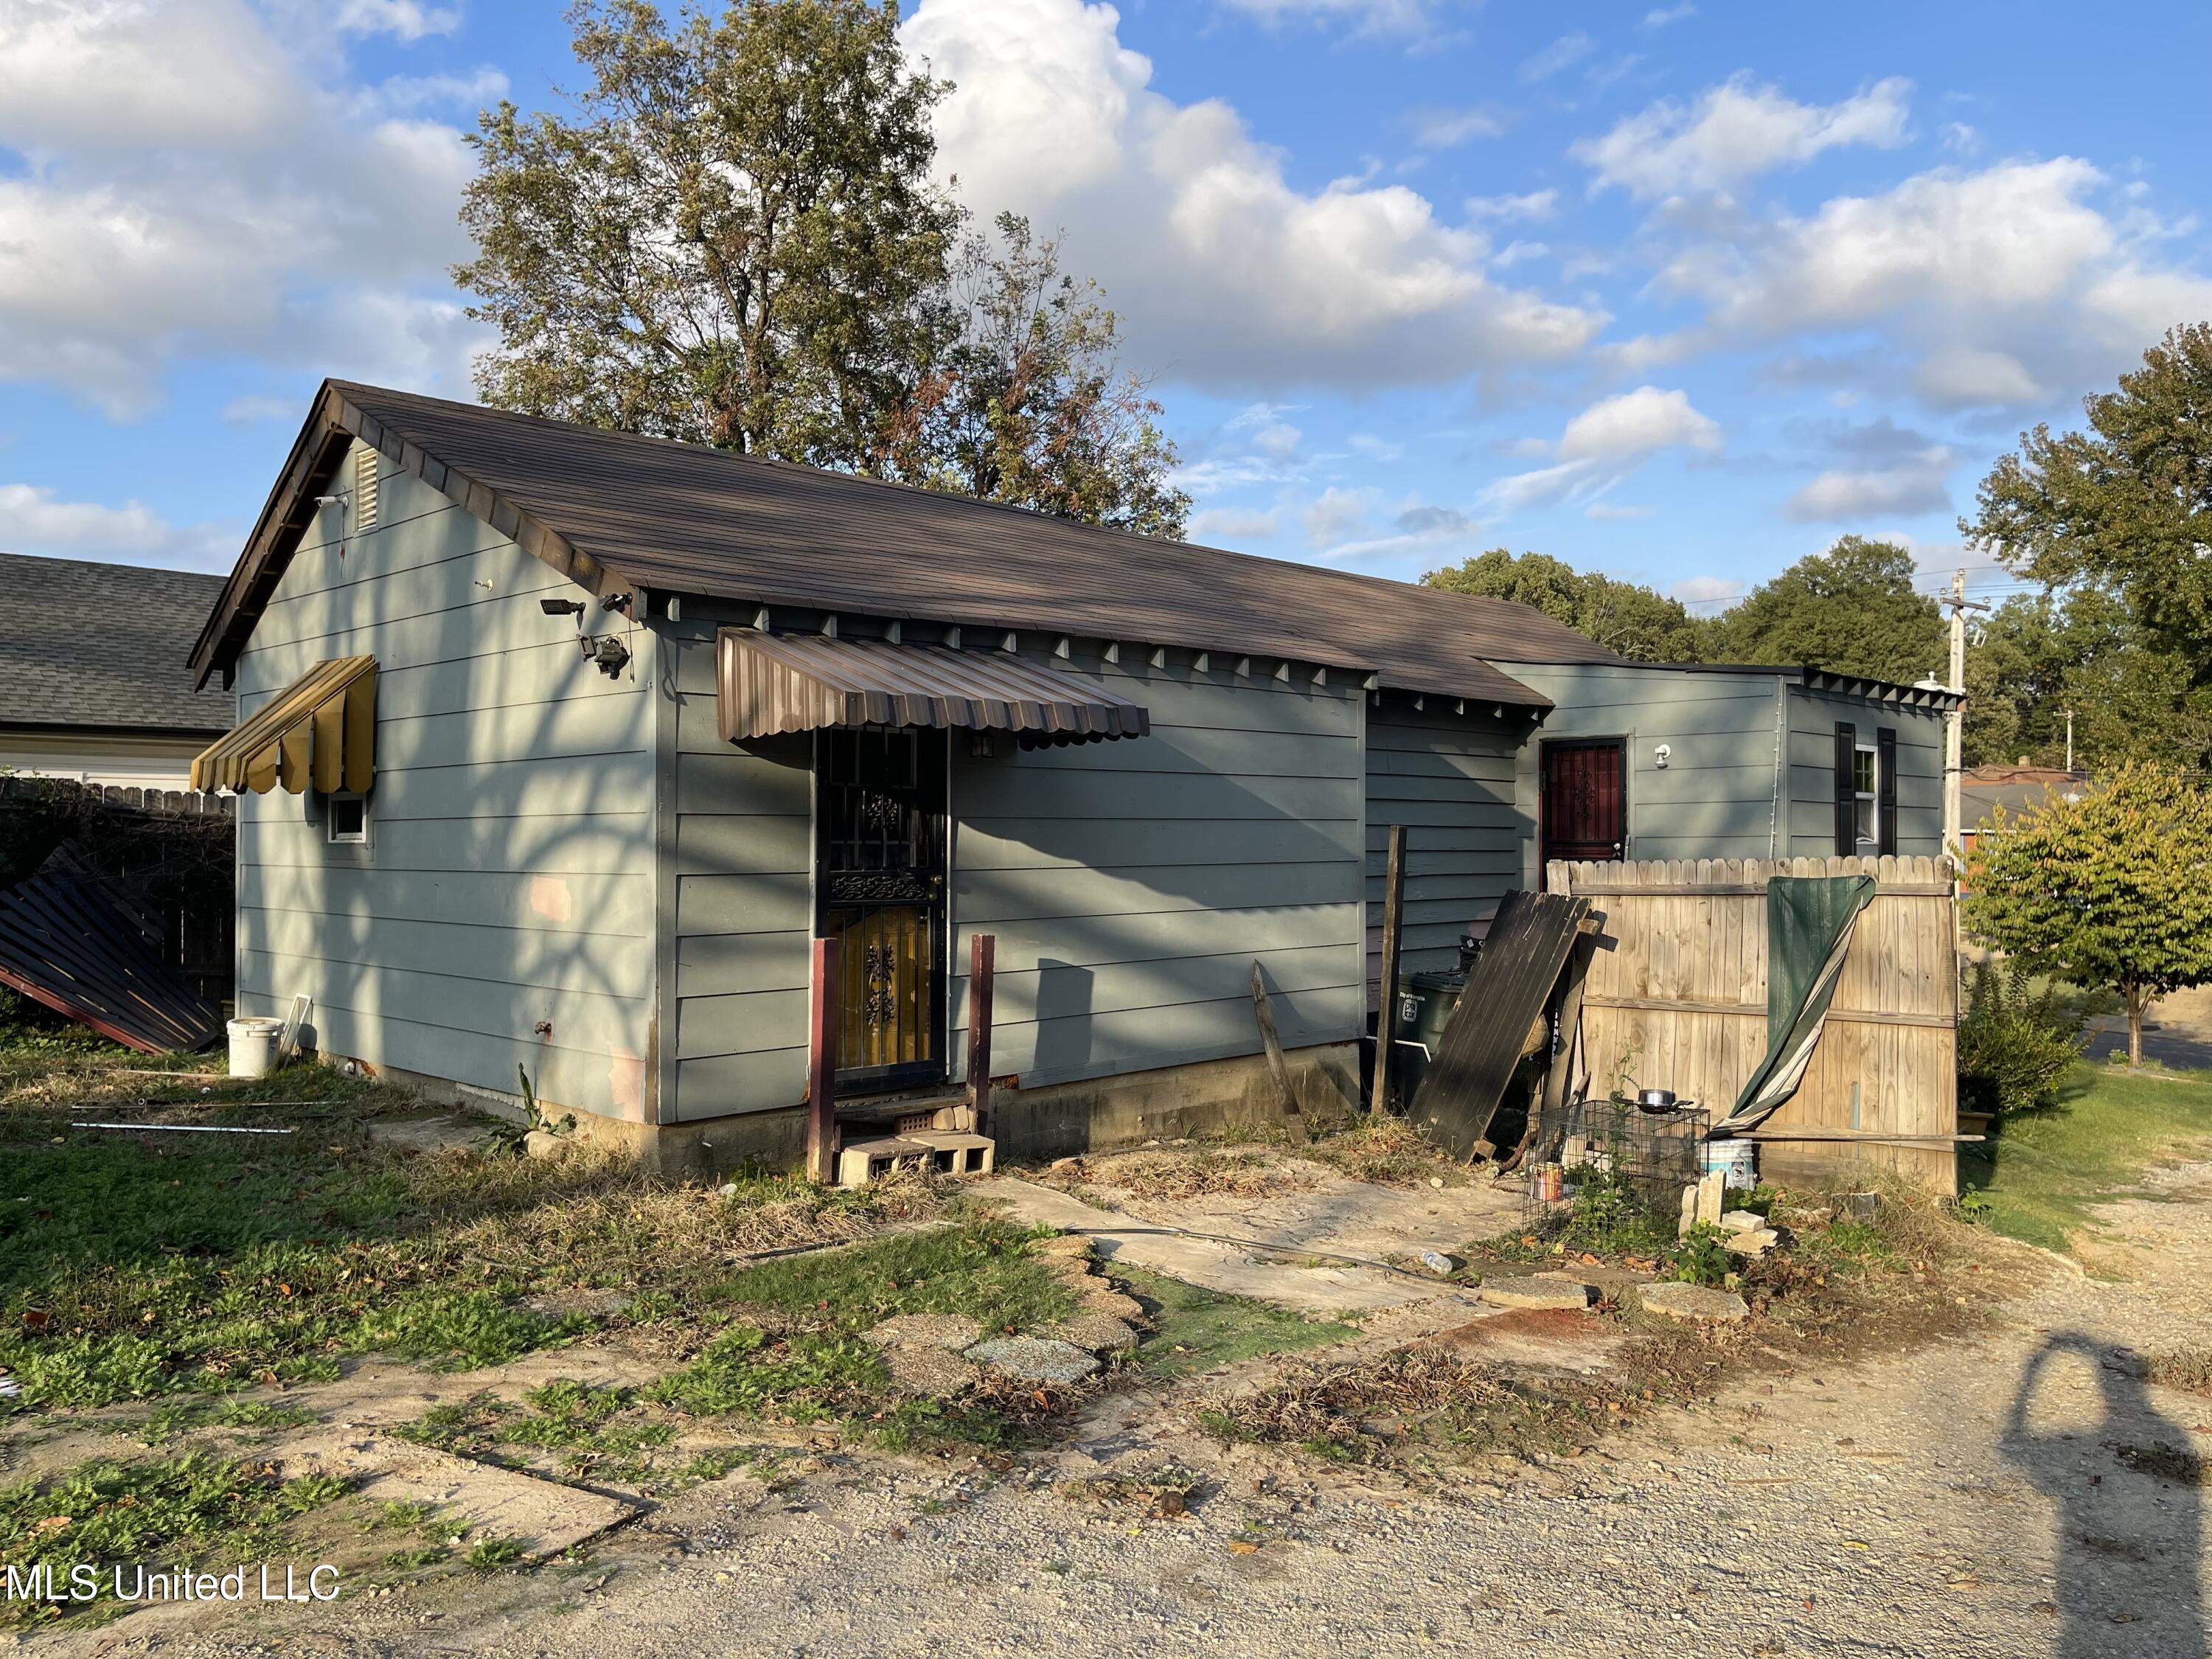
1907, 490
33, 521
194, 189
1223, 272
1999, 287
1607, 513
1536, 205
1220, 525
409, 20
1604, 444
1366, 444
1447, 128
252, 409
1563, 53
1660, 16
1374, 16
1336, 515
479, 89
1279, 439
1735, 131
1636, 423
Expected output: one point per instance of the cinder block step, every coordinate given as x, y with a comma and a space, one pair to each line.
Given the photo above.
940, 1151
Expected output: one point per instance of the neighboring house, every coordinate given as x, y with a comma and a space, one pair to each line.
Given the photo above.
1651, 762
2018, 789
560, 746
93, 680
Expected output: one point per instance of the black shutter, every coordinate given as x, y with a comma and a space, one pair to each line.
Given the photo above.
1847, 798
1885, 744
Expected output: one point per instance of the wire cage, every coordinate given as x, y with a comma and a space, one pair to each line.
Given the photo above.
1649, 1155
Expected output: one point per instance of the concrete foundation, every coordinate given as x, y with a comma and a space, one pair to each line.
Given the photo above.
1060, 1119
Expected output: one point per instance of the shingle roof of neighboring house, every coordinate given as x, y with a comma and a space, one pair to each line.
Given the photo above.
104, 645
2018, 789
613, 510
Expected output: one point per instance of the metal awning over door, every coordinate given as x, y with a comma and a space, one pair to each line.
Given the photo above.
320, 730
765, 683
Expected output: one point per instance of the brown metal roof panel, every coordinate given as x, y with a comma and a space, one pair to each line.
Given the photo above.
768, 682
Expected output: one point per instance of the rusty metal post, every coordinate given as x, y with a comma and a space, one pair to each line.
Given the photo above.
822, 1067
1394, 905
982, 949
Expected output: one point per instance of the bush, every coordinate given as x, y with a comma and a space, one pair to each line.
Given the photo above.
2015, 1042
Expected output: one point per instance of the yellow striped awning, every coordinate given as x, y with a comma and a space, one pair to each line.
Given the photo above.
320, 730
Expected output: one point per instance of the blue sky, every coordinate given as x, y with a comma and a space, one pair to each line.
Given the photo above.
1680, 292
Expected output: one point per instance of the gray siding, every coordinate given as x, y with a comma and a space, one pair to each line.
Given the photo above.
1130, 885
1448, 778
1812, 781
1715, 798
508, 879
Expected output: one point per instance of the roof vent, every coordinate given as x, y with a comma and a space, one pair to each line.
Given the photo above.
364, 486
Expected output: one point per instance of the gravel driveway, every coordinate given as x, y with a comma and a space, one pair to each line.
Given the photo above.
2020, 1493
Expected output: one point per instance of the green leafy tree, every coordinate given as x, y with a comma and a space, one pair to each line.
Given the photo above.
734, 237
2038, 656
1027, 405
1851, 609
2126, 505
736, 241
1622, 617
2111, 891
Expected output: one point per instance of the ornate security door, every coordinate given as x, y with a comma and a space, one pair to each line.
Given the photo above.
1585, 801
880, 891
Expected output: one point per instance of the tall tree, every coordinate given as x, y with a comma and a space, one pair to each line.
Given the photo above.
2037, 657
1028, 406
2113, 889
1620, 616
735, 239
2126, 505
1851, 609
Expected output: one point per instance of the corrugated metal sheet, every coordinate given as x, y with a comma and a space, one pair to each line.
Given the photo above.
63, 942
613, 510
765, 683
320, 729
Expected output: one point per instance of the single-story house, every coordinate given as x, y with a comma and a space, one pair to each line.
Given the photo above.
558, 748
93, 680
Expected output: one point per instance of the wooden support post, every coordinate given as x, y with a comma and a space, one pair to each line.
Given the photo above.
1393, 904
1272, 1040
981, 951
822, 1067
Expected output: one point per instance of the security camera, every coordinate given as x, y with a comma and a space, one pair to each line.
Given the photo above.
562, 607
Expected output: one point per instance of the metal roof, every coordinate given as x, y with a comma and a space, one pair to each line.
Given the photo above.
770, 683
615, 511
104, 645
320, 729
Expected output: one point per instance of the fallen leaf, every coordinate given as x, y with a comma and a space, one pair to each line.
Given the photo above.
1242, 1547
1853, 1544
51, 1523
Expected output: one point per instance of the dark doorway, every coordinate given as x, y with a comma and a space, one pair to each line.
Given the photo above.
1584, 813
881, 853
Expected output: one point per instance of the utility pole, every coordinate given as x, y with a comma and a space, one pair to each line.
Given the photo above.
1955, 726
2069, 742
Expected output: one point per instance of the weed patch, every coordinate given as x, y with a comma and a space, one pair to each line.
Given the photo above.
1195, 1329
180, 1511
1388, 1151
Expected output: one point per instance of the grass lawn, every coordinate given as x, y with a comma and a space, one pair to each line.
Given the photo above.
2045, 1171
1195, 1329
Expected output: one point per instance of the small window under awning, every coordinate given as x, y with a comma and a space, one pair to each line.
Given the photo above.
320, 730
765, 683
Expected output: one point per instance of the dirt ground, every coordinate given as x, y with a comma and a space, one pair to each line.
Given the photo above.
2018, 1490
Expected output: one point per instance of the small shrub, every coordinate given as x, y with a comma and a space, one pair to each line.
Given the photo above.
2016, 1043
1700, 1258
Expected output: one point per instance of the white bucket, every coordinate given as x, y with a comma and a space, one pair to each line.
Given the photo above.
253, 1046
1738, 1159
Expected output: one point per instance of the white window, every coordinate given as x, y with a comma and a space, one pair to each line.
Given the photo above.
1866, 783
345, 819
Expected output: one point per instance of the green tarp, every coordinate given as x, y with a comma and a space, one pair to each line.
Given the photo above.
1809, 920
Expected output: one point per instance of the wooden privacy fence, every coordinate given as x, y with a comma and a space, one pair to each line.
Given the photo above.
1675, 999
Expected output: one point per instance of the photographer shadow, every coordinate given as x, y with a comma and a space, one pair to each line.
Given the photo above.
2128, 1554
